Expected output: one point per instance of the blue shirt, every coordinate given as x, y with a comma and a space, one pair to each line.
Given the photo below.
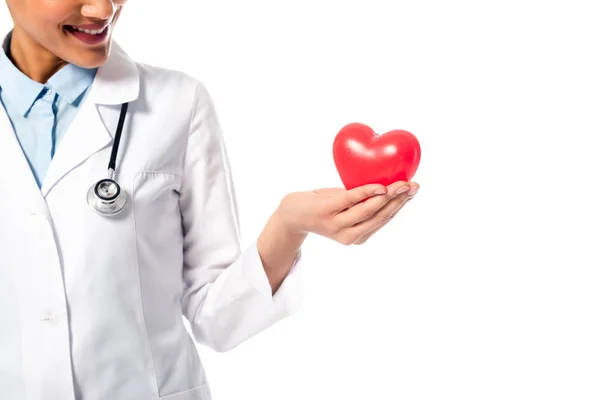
40, 114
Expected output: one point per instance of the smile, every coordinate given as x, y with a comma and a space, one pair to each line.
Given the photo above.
95, 36
90, 32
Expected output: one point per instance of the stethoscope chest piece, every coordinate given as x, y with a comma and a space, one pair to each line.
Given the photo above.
106, 197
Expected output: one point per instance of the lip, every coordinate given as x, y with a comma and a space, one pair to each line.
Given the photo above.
95, 26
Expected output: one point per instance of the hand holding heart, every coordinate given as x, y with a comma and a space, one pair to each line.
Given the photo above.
375, 171
346, 216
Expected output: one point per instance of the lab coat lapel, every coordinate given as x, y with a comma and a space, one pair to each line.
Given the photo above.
93, 128
15, 172
85, 136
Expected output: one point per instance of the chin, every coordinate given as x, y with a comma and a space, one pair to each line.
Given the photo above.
89, 59
95, 63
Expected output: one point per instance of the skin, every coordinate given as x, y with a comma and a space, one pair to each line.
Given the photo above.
41, 46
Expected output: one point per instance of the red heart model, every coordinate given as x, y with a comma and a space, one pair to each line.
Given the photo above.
363, 157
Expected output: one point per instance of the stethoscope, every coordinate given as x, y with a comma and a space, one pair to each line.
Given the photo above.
106, 196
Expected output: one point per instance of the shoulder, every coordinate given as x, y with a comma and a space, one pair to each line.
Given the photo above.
160, 93
155, 83
172, 83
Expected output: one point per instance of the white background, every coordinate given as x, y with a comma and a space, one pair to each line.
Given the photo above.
487, 285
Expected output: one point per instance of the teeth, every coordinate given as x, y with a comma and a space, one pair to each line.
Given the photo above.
89, 32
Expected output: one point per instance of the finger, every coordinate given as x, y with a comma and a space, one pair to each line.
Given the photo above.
379, 219
414, 188
349, 198
370, 233
363, 239
367, 209
329, 191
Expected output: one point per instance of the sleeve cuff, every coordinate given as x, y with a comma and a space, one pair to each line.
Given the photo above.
247, 277
288, 297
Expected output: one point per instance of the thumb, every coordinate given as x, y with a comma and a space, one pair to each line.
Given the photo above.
329, 191
349, 198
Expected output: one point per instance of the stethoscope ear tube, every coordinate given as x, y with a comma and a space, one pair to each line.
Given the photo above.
106, 197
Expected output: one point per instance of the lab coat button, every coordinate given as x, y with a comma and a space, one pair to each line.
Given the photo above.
51, 319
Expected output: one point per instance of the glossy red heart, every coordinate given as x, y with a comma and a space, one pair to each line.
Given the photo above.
363, 157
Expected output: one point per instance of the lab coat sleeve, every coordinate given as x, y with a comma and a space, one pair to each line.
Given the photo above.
227, 297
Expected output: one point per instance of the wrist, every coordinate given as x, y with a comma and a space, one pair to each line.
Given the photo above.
289, 219
284, 229
285, 224
278, 246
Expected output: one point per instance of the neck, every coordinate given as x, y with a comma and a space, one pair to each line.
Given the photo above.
31, 58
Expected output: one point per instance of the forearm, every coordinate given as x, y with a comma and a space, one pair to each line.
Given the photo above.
278, 246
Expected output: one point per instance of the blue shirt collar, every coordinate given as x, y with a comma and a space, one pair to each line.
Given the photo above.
70, 82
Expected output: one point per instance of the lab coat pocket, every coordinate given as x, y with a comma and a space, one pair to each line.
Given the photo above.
201, 392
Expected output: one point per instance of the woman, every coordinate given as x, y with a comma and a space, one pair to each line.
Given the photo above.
92, 304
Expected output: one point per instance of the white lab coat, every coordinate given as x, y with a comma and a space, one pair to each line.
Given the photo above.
91, 307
